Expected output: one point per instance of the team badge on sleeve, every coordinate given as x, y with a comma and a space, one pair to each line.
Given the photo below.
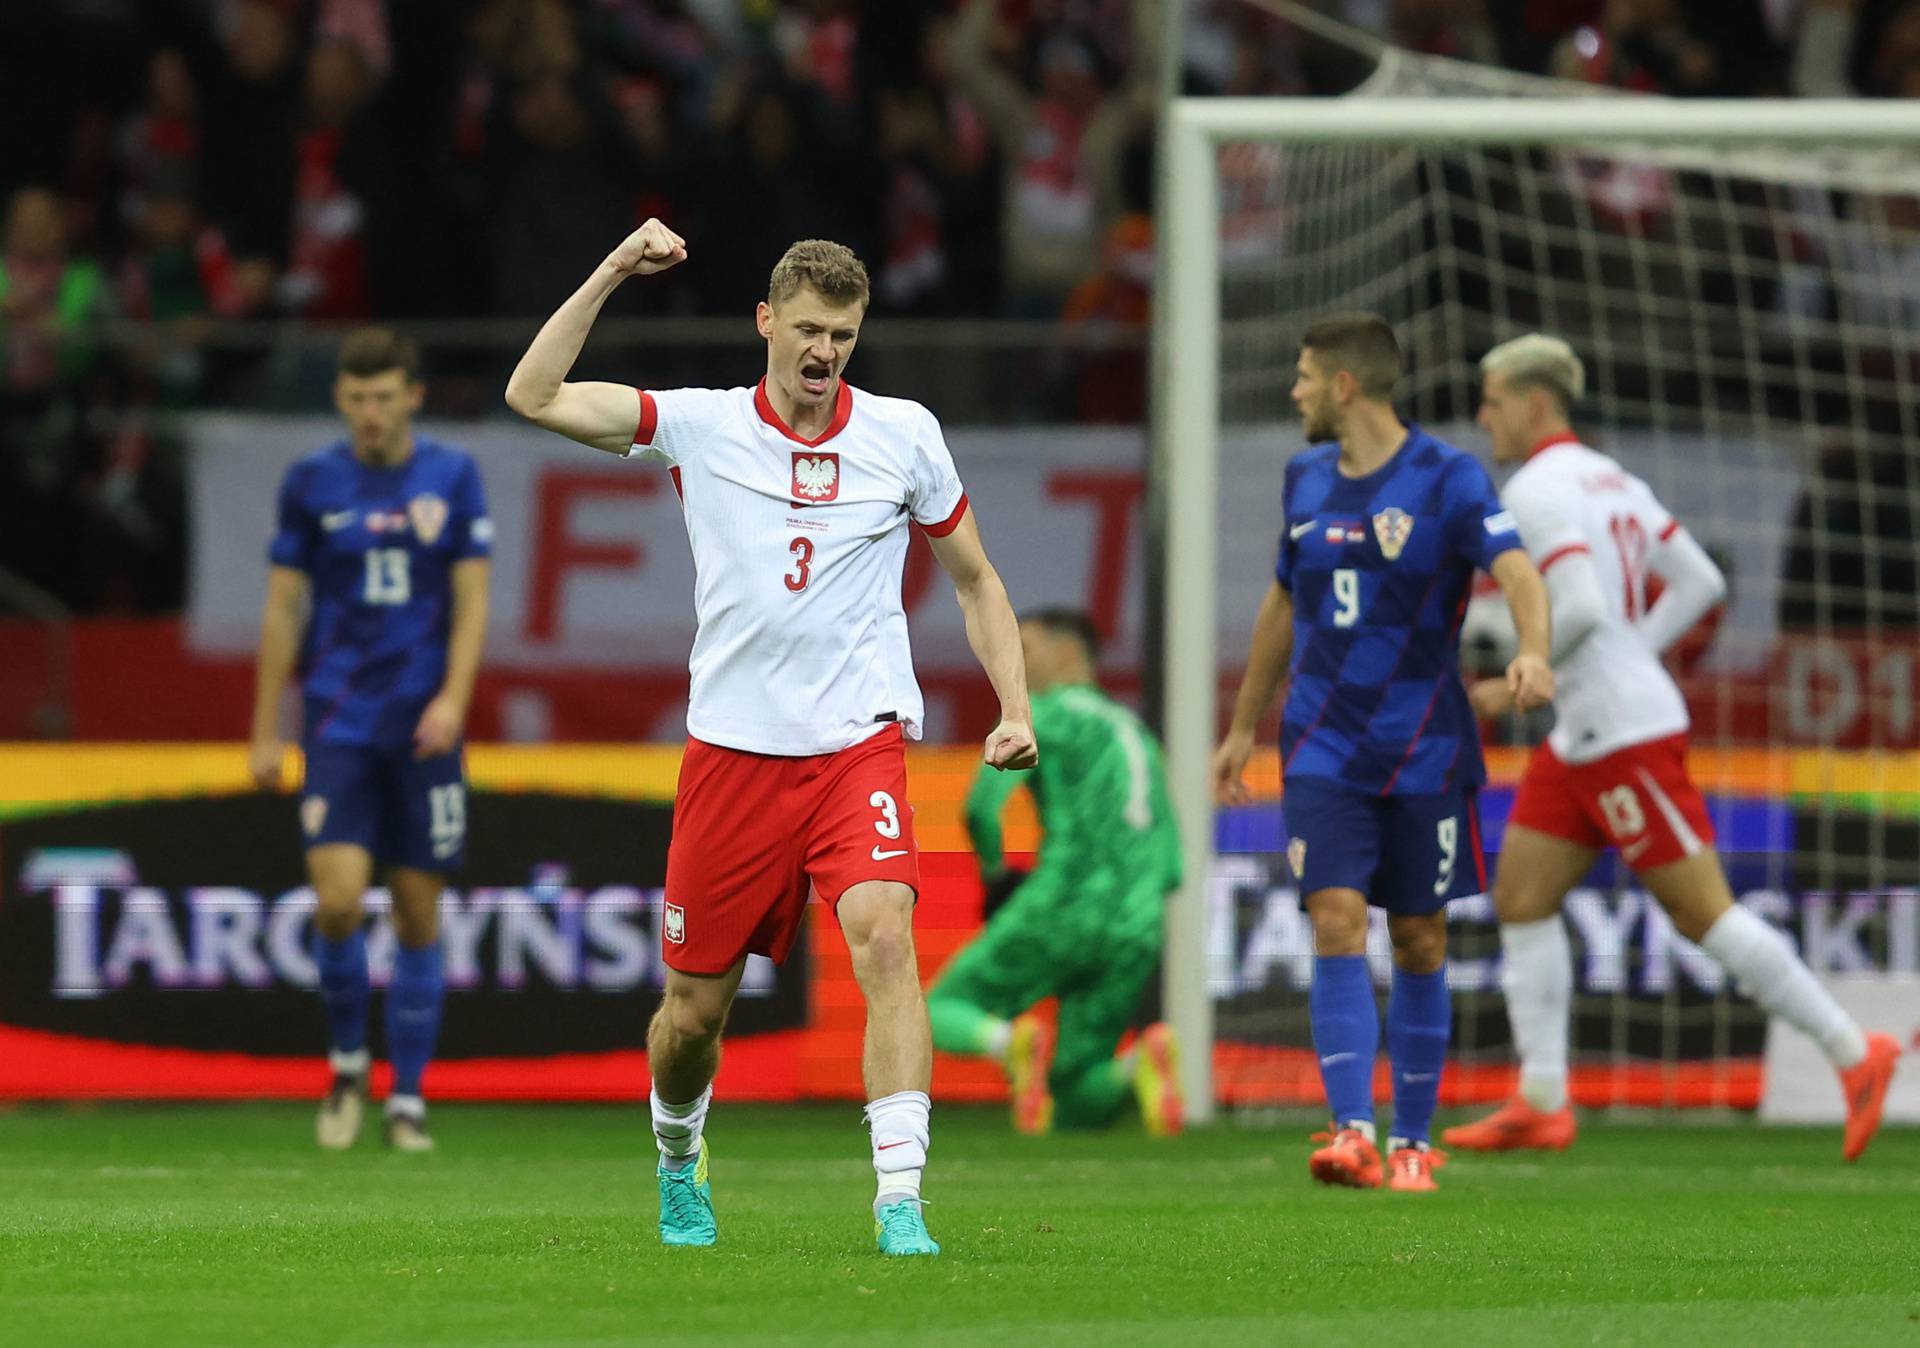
816, 478
1297, 858
429, 516
675, 928
1392, 527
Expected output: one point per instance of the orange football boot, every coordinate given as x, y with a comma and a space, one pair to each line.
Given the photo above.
1029, 1058
1411, 1169
1516, 1126
1156, 1082
1347, 1159
1865, 1085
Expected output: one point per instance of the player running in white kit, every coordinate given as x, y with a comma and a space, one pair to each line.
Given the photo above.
1614, 771
797, 494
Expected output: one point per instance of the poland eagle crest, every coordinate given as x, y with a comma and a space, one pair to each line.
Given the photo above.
816, 478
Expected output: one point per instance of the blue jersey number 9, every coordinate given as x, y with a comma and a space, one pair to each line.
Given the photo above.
1346, 589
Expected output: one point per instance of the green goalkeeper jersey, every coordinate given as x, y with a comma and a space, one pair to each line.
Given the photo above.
1100, 788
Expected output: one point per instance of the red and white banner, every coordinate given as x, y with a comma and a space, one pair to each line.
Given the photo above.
592, 572
592, 612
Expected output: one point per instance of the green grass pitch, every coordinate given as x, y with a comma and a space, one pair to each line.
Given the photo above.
224, 1225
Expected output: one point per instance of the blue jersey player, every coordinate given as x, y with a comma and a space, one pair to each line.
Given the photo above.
1380, 757
377, 599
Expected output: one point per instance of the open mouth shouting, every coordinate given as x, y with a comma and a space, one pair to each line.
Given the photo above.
816, 377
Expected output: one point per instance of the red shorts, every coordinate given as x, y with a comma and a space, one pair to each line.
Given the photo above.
1638, 799
751, 831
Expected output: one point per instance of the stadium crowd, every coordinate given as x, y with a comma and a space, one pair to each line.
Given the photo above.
168, 166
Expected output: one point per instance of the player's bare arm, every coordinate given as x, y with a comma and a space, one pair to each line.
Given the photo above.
1578, 607
1267, 657
445, 718
282, 619
1530, 674
994, 634
597, 414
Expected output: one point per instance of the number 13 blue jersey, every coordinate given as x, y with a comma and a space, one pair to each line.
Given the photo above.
378, 545
1380, 569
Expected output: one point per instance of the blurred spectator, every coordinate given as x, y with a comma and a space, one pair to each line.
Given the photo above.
560, 173
250, 79
1849, 48
1109, 370
938, 188
779, 176
160, 139
326, 275
1665, 47
1851, 564
1060, 139
51, 302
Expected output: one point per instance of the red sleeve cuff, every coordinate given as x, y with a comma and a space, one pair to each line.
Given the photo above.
950, 523
649, 419
1567, 551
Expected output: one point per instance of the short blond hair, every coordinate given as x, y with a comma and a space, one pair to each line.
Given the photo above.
1539, 361
829, 269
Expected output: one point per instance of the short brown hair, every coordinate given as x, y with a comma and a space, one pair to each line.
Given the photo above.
1361, 344
829, 268
371, 351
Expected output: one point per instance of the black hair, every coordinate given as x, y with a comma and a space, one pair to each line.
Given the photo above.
1070, 622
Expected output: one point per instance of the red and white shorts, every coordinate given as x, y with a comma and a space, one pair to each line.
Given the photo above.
1639, 799
752, 832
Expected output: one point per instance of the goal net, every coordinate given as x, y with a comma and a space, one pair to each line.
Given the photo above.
1743, 282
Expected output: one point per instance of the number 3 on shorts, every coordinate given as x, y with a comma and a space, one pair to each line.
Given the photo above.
1622, 808
1448, 836
888, 824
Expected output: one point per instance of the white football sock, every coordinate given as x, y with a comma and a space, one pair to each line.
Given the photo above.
1768, 971
354, 1064
407, 1107
900, 1133
1537, 976
677, 1128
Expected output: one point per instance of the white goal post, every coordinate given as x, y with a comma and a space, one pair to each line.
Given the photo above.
1188, 412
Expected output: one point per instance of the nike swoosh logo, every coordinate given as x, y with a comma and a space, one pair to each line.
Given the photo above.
1333, 1058
1419, 1076
1299, 531
878, 855
337, 519
889, 1146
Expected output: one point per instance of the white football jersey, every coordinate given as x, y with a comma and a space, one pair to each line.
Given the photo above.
798, 549
1612, 691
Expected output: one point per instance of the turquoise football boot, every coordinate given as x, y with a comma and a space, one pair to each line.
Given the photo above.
899, 1229
686, 1203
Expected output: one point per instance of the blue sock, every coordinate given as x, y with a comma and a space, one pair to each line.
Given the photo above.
413, 1014
1419, 1016
343, 988
1346, 1029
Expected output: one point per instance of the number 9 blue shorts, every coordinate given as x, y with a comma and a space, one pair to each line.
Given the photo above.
1407, 854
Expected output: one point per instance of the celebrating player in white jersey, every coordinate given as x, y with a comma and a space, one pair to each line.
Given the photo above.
1614, 771
797, 495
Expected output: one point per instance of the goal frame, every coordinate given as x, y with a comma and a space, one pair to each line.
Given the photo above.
1186, 405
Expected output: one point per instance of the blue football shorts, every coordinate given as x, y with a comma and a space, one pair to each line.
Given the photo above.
404, 811
1407, 854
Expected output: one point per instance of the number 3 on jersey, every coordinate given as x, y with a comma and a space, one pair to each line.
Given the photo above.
802, 550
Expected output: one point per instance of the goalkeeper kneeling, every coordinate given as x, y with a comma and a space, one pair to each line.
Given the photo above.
1085, 925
